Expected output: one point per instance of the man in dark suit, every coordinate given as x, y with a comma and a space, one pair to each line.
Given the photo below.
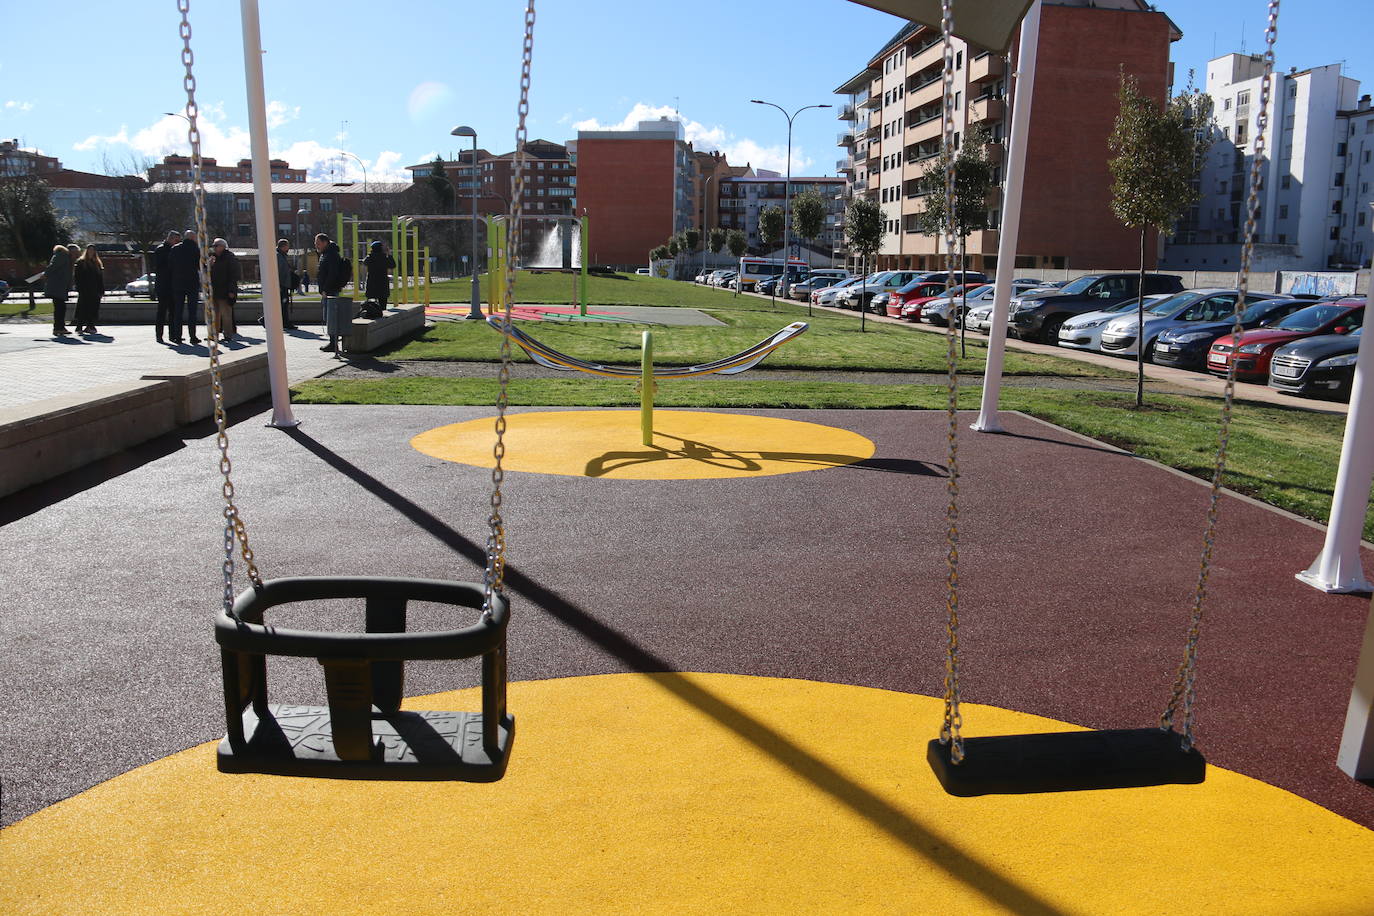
162, 280
184, 264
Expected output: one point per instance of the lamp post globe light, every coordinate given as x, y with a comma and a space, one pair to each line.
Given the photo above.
475, 307
787, 187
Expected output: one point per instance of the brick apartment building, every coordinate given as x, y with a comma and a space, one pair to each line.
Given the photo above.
743, 198
637, 188
895, 108
178, 169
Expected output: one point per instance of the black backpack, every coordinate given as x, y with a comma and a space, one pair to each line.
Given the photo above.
345, 272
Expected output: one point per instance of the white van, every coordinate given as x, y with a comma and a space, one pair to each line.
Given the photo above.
835, 273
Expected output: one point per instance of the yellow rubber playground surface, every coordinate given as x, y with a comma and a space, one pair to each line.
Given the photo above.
677, 793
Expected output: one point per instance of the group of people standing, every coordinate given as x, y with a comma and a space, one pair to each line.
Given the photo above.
176, 266
71, 267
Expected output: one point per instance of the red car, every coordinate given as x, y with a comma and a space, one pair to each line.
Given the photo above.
907, 301
1255, 348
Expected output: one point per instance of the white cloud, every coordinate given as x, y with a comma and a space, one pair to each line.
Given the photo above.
228, 143
739, 150
21, 107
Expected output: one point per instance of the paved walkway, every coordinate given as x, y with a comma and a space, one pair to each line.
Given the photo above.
35, 366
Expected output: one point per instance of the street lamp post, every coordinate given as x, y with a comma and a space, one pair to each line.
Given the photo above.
787, 188
360, 163
475, 307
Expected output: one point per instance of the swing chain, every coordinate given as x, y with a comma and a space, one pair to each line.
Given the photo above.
953, 719
1185, 683
495, 579
233, 522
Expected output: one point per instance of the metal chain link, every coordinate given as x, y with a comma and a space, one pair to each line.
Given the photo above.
1185, 684
495, 579
953, 720
233, 520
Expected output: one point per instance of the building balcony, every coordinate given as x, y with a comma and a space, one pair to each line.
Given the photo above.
858, 185
982, 242
847, 113
844, 138
872, 100
986, 67
986, 109
844, 165
996, 151
927, 129
926, 93
925, 54
872, 131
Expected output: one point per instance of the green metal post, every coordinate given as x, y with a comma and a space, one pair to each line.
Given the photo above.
401, 263
426, 276
394, 233
646, 390
415, 254
357, 261
582, 236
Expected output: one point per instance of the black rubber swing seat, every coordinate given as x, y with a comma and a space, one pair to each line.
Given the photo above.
1067, 762
362, 733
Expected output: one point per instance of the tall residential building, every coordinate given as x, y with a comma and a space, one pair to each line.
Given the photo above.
1352, 241
637, 189
1302, 177
742, 199
894, 130
550, 181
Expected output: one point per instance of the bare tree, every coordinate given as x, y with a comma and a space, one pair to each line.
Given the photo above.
136, 212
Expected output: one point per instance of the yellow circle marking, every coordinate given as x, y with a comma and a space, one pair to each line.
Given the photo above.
687, 445
685, 793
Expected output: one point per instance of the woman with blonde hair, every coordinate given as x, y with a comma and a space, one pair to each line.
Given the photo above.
90, 288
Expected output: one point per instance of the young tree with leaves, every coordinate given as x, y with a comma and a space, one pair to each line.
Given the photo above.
973, 183
808, 215
738, 244
691, 238
1158, 151
715, 240
864, 229
770, 228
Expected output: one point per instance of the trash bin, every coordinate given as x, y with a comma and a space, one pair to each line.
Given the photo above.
338, 315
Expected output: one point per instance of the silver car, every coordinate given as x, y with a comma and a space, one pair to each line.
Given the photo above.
1119, 334
826, 295
1084, 332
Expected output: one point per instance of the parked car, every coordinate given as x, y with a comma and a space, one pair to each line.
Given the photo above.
960, 276
142, 287
1084, 332
642, 271
826, 295
883, 282
836, 274
1038, 316
726, 280
1253, 351
945, 308
4, 290
906, 302
802, 291
1191, 307
766, 286
1315, 366
1186, 347
701, 276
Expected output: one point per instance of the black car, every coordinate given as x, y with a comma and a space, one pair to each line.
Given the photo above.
1323, 365
1038, 316
1186, 347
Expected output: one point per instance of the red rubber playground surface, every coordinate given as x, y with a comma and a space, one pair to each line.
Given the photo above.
523, 312
722, 686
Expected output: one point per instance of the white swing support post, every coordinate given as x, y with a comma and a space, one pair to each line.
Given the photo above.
263, 216
1011, 221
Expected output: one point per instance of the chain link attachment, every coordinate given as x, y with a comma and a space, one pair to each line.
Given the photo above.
234, 528
1185, 682
953, 719
494, 581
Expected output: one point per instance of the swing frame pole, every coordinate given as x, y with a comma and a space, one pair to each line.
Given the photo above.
646, 389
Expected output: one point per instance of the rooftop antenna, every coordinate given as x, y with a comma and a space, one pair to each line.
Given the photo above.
1242, 36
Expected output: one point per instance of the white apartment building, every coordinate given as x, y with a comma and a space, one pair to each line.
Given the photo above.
1300, 200
1351, 233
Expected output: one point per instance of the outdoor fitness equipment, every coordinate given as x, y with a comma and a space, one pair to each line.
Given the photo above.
647, 375
1103, 759
362, 732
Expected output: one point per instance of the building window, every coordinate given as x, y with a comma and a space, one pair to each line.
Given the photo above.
1283, 211
326, 205
305, 204
283, 229
1283, 239
244, 204
1340, 179
1243, 98
1226, 105
284, 204
242, 230
1359, 219
1286, 182
958, 62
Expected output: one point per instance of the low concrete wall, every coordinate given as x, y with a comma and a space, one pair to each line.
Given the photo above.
41, 440
246, 311
367, 334
243, 376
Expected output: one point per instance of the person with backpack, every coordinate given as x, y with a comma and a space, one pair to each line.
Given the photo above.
378, 287
331, 277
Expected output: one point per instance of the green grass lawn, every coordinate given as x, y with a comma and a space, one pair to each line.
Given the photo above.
18, 304
1286, 457
834, 341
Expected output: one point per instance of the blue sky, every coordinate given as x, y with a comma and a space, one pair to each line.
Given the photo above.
387, 83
